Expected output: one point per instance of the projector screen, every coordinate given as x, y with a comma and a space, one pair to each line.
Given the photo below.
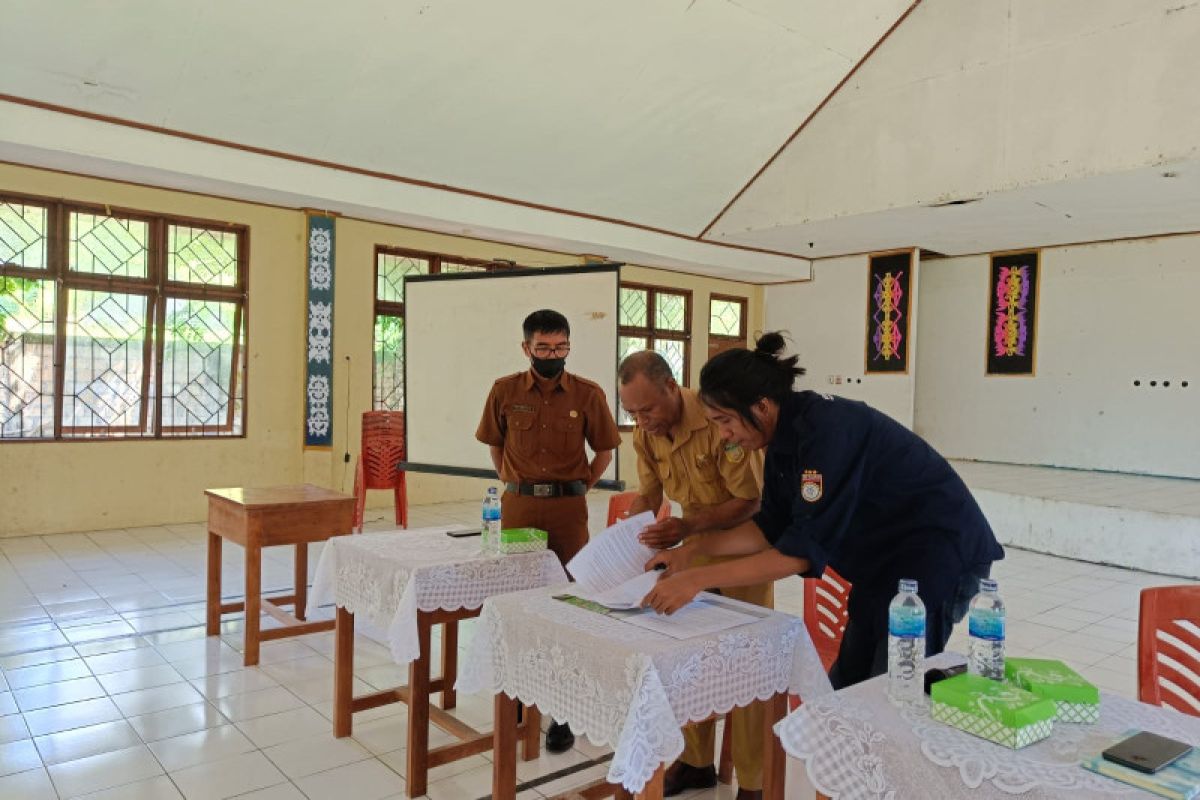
462, 331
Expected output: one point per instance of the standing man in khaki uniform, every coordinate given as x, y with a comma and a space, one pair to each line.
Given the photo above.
536, 423
718, 485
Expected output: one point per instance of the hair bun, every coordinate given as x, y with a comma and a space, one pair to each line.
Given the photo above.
770, 344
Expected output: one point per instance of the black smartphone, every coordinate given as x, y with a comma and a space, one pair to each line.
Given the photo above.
1146, 752
936, 674
462, 532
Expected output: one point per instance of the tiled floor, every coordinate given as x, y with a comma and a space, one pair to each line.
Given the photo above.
109, 688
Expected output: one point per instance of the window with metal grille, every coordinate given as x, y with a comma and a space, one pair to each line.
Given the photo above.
726, 323
392, 265
655, 318
119, 324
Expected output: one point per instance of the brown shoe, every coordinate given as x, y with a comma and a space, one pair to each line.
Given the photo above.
749, 794
680, 777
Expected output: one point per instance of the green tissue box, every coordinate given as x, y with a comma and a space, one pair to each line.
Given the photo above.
993, 710
1077, 700
522, 540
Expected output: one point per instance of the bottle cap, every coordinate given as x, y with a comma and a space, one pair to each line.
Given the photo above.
908, 585
988, 585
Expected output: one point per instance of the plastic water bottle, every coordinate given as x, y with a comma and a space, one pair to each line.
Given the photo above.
490, 526
985, 622
906, 645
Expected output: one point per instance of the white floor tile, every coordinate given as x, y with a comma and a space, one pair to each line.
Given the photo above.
104, 771
200, 747
239, 707
75, 715
160, 698
313, 754
55, 748
132, 680
58, 694
31, 785
371, 781
19, 756
177, 721
54, 672
156, 788
284, 727
230, 777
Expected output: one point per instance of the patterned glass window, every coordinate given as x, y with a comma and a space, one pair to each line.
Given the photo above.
112, 336
659, 319
726, 323
392, 266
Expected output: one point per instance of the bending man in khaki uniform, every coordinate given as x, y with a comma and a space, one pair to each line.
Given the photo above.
718, 485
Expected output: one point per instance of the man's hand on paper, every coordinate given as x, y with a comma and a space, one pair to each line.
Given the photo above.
671, 561
672, 592
664, 534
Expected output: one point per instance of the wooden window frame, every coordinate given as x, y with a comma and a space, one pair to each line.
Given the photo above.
718, 342
652, 333
157, 289
395, 309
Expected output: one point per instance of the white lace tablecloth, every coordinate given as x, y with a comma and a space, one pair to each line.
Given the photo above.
628, 687
855, 744
387, 577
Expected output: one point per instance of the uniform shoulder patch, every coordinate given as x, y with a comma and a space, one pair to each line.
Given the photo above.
812, 485
734, 453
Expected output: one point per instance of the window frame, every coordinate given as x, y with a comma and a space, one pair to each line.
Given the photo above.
395, 309
158, 290
652, 333
722, 340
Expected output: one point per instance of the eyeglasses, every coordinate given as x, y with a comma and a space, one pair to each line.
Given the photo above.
546, 350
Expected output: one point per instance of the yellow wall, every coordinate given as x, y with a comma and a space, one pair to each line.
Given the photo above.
49, 487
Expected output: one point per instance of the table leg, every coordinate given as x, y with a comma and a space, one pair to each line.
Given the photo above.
504, 748
253, 600
212, 612
774, 760
301, 567
449, 664
343, 673
654, 788
418, 712
531, 736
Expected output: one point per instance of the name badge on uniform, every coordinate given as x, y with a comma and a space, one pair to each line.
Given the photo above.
521, 407
734, 453
812, 485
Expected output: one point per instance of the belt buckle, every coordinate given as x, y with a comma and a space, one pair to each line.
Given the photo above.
543, 490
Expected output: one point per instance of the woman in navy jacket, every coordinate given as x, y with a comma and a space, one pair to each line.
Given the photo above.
845, 486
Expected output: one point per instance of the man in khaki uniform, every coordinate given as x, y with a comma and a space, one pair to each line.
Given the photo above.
536, 423
718, 486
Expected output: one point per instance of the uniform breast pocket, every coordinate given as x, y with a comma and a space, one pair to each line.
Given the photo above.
703, 469
520, 429
569, 432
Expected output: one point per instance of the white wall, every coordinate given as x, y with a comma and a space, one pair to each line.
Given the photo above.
826, 321
1110, 313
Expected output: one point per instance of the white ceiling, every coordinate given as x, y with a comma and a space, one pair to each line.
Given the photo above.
652, 111
624, 128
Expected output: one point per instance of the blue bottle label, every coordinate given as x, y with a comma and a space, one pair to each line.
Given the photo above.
906, 625
986, 626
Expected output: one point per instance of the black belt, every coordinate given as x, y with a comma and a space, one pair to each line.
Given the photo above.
551, 489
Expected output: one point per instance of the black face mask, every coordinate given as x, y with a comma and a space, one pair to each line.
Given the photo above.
548, 367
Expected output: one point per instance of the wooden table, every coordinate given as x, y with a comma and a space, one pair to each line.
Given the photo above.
265, 517
504, 767
416, 695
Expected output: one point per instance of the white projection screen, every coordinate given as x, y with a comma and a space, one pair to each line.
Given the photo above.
462, 331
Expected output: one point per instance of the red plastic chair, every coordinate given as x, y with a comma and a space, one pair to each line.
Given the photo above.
1169, 648
382, 451
618, 507
825, 616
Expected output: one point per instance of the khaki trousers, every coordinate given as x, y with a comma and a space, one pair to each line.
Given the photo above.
745, 724
563, 518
